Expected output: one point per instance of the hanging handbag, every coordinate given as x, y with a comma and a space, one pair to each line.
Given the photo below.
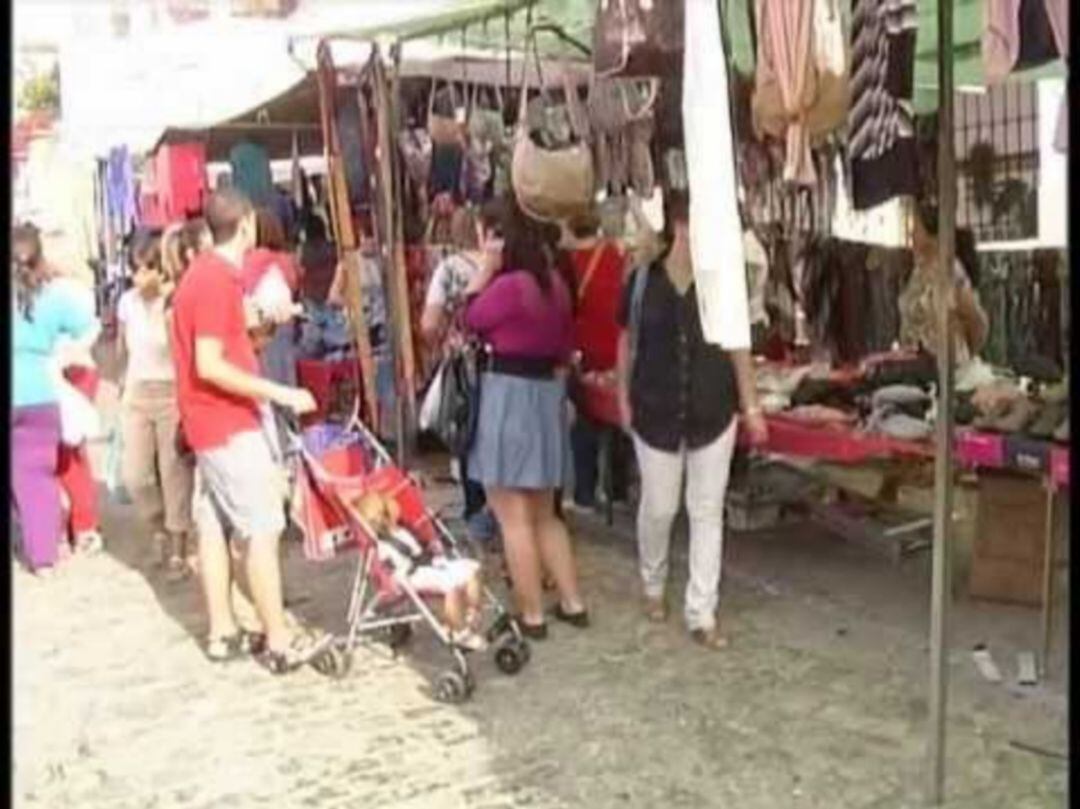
486, 123
550, 184
443, 128
638, 37
459, 399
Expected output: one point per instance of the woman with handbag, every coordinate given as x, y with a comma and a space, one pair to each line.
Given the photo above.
523, 310
441, 326
599, 268
157, 474
680, 397
43, 311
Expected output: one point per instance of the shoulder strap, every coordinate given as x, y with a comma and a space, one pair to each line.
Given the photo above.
590, 271
637, 298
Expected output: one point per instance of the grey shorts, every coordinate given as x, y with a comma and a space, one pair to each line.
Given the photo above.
240, 490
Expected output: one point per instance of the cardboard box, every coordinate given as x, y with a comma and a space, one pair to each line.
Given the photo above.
1010, 540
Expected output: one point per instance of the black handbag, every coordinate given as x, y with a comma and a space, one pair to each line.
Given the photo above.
459, 402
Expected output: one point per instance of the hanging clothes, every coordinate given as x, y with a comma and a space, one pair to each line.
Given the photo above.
251, 173
715, 226
881, 124
180, 179
120, 188
1020, 34
352, 147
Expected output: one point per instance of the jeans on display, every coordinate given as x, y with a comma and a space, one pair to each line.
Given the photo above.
707, 471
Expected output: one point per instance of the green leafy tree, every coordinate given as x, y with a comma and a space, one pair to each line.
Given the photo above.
41, 93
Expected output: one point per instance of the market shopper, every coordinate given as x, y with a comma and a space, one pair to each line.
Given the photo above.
180, 244
441, 326
156, 471
680, 397
44, 311
240, 490
523, 309
599, 270
918, 318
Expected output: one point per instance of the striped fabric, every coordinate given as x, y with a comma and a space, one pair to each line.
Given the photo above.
882, 66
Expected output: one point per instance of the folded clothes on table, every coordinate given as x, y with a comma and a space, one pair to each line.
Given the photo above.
819, 414
887, 420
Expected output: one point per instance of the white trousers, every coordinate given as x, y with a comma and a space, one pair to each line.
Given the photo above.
707, 471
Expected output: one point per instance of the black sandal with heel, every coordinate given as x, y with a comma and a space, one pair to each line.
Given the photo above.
232, 647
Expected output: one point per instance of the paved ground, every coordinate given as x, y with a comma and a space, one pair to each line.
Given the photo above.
819, 702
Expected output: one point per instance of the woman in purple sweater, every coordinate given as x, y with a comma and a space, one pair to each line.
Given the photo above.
522, 308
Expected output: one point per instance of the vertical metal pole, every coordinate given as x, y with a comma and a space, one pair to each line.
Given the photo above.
943, 469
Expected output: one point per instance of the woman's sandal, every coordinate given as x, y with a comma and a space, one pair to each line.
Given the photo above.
655, 610
712, 639
532, 631
304, 648
232, 647
579, 619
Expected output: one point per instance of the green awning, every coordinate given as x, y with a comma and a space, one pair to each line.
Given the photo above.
485, 28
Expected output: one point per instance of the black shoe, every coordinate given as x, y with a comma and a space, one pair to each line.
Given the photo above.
533, 631
578, 619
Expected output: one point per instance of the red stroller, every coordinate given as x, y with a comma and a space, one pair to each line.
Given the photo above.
333, 468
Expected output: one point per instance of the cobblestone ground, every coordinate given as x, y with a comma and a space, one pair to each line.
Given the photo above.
819, 702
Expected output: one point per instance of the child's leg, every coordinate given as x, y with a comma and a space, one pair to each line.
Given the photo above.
454, 604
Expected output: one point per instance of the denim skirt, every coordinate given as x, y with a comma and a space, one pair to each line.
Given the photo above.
521, 438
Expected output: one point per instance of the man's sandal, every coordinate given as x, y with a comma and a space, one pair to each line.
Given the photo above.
655, 610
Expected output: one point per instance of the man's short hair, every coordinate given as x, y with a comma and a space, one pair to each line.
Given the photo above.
225, 211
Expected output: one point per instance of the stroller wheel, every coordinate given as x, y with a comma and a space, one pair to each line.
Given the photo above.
452, 687
334, 662
512, 655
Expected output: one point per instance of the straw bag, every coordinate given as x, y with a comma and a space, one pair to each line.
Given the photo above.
638, 37
444, 129
550, 184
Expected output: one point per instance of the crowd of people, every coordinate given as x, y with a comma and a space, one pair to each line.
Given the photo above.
207, 341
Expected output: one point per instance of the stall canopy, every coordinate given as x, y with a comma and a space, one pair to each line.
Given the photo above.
273, 125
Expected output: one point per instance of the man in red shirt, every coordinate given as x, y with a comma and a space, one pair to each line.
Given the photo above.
599, 269
222, 401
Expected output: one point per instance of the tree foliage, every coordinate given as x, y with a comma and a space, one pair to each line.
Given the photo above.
41, 93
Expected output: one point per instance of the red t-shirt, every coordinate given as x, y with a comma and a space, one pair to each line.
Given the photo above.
209, 303
596, 330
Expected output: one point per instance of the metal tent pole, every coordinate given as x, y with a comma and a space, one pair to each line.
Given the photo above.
943, 468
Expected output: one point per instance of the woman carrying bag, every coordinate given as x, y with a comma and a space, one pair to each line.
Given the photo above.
680, 398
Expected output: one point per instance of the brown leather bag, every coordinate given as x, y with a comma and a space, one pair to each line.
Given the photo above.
638, 37
551, 185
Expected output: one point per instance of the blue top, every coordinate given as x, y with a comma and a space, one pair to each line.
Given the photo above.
58, 310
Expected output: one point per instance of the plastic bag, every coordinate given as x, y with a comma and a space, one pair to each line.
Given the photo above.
114, 480
79, 420
429, 409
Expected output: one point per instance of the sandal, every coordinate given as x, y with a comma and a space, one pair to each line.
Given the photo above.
532, 631
712, 638
304, 648
176, 569
579, 619
232, 647
89, 543
656, 610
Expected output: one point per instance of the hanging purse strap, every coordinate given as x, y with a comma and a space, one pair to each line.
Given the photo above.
590, 271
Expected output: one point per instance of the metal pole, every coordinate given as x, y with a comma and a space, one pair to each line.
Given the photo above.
943, 468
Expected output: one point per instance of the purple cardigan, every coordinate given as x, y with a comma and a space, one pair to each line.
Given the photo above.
518, 319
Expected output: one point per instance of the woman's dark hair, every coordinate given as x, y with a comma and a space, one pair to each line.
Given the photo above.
967, 255
314, 228
269, 232
532, 246
29, 274
146, 251
676, 209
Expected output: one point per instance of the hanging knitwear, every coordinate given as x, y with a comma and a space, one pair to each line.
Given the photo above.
251, 173
881, 140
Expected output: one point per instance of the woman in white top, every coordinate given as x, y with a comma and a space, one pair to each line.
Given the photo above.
156, 470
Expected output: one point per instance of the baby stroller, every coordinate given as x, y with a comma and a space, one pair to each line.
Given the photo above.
332, 468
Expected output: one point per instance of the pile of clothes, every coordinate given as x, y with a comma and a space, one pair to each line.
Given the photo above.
325, 334
895, 395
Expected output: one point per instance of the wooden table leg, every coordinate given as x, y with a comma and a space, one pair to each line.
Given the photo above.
1048, 580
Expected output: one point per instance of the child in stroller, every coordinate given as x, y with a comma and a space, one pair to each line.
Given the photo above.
456, 580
